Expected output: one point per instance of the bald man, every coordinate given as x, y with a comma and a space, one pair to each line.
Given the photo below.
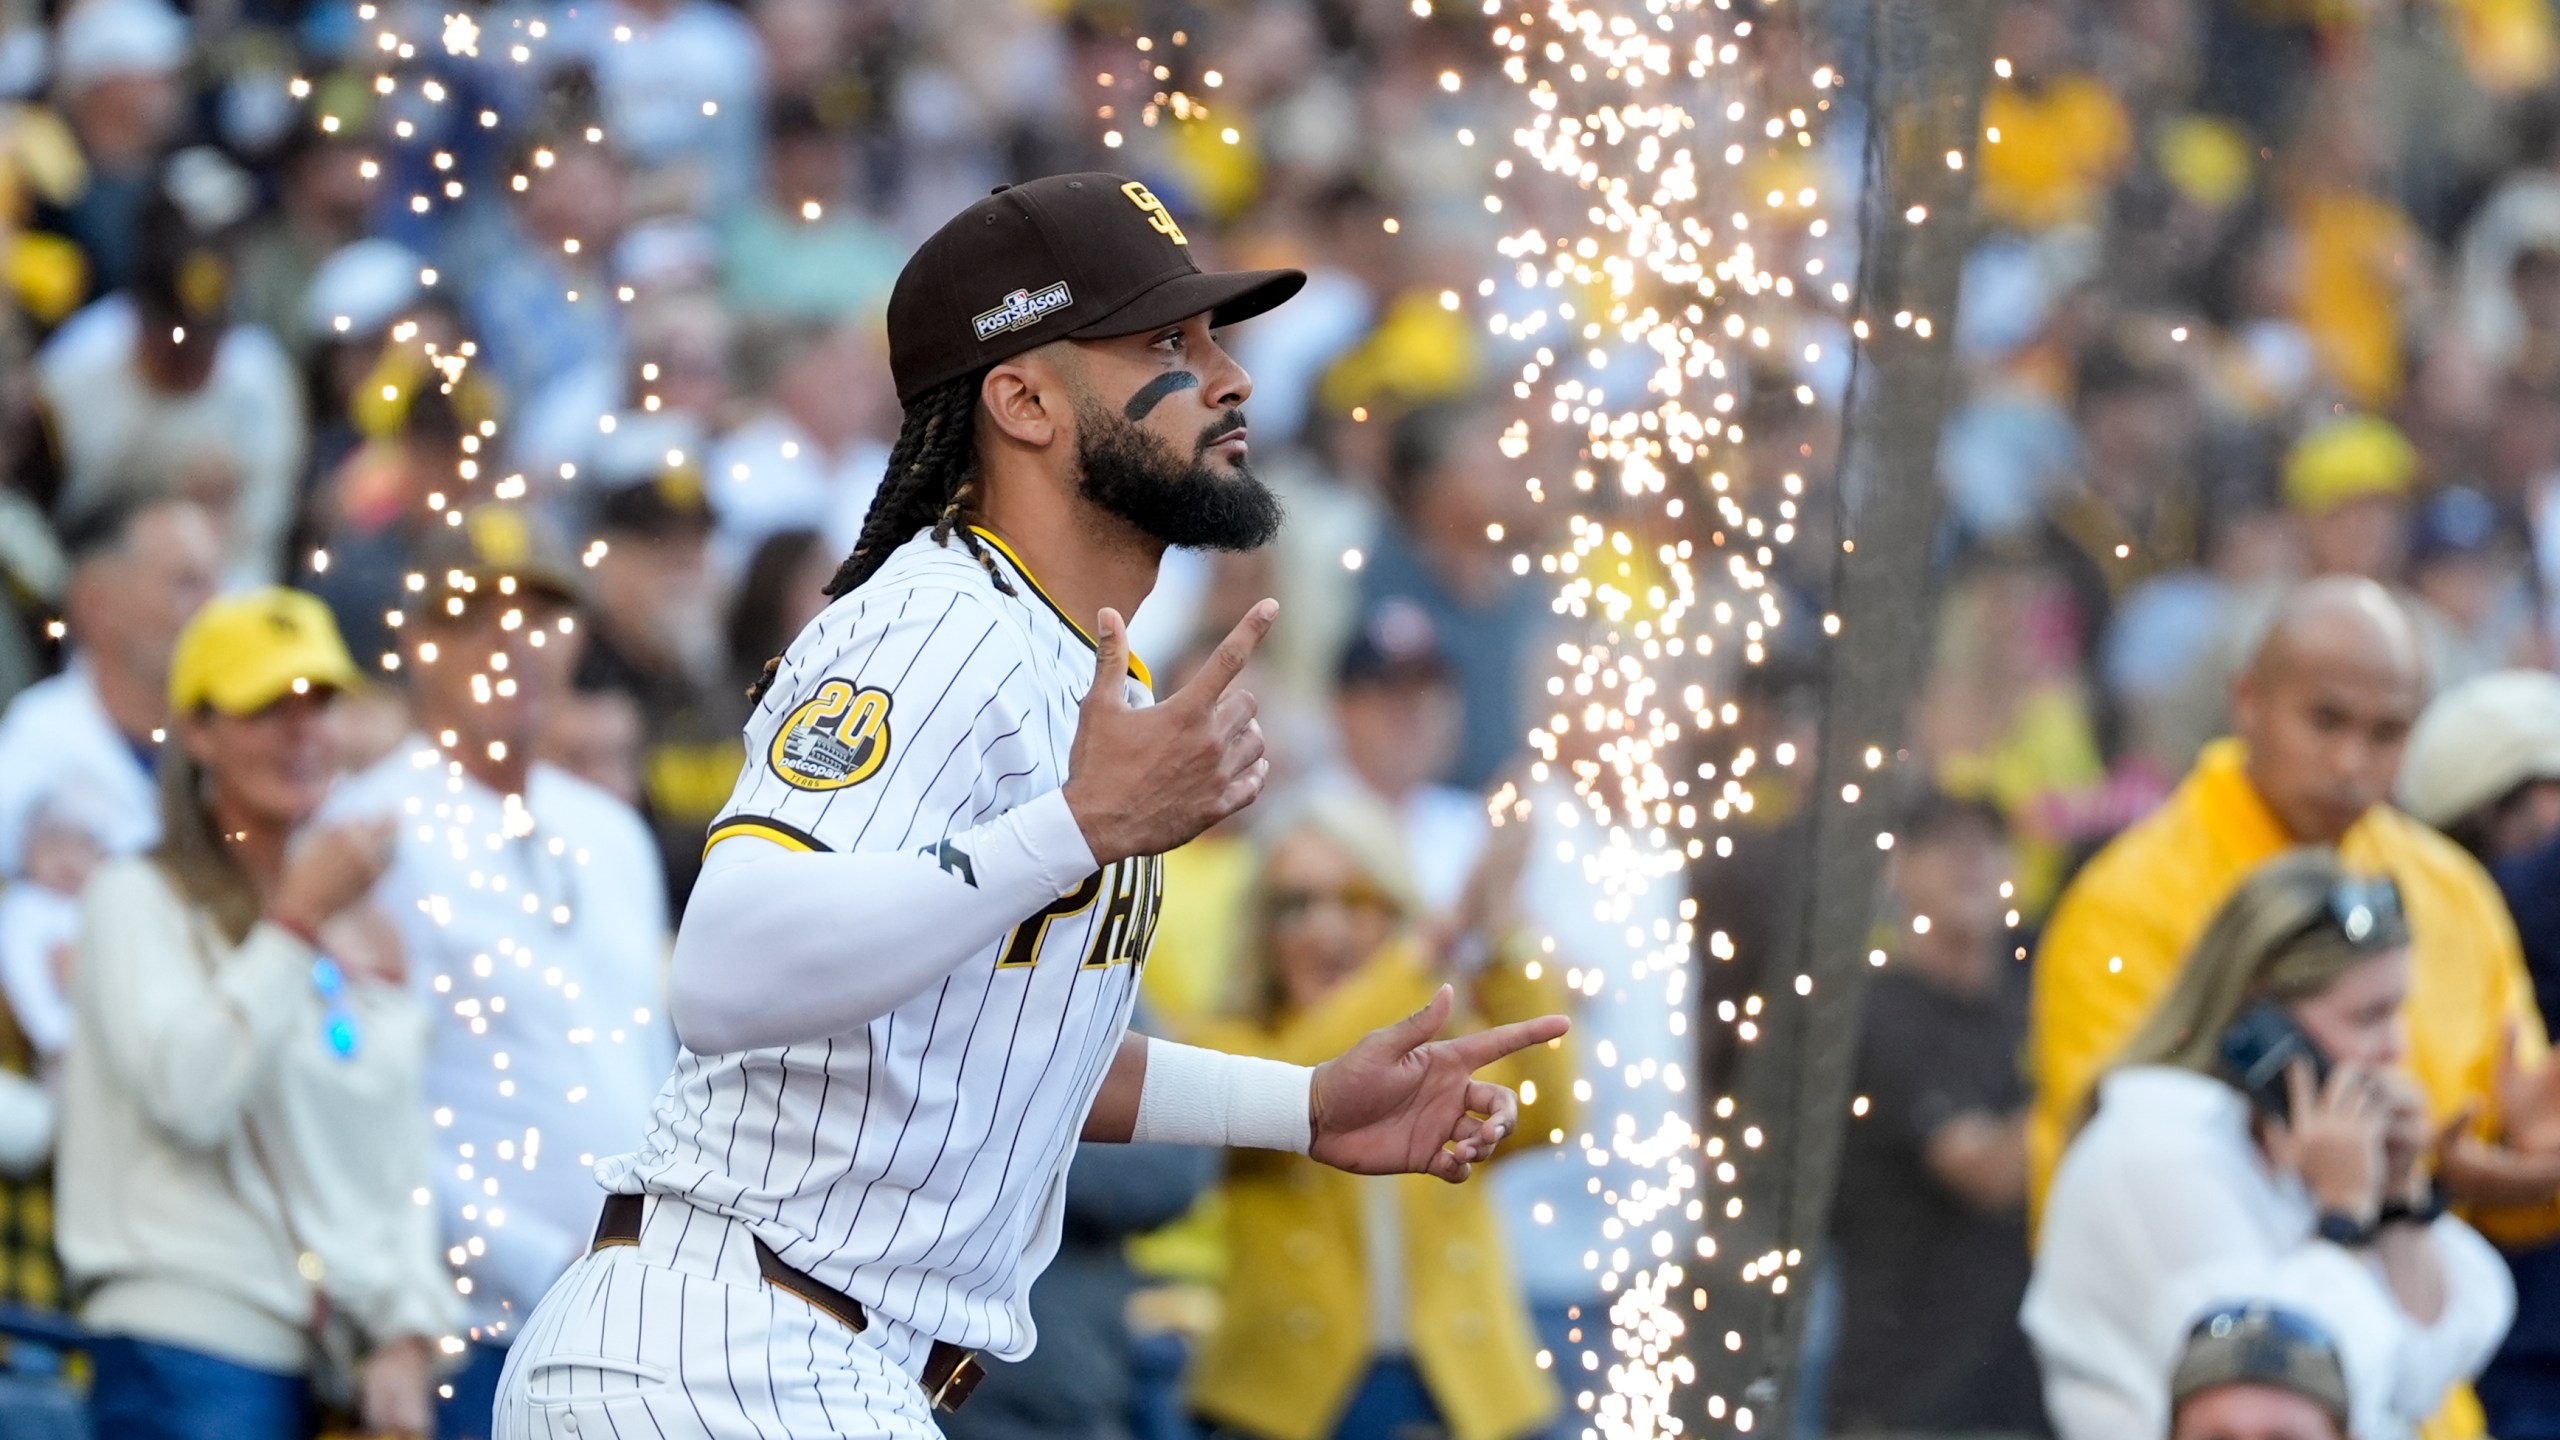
2321, 716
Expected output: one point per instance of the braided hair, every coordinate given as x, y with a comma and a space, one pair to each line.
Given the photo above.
932, 480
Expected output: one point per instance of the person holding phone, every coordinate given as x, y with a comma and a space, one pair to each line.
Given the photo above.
2260, 1142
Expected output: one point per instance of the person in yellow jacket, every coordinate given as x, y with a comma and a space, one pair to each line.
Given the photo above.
1364, 1305
2322, 715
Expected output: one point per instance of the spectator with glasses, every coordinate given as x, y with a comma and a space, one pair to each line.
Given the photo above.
2254, 1372
242, 1141
2258, 1140
1362, 1305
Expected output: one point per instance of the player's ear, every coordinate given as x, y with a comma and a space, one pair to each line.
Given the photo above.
1026, 401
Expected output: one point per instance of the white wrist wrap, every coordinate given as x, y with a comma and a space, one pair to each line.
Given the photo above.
1201, 1097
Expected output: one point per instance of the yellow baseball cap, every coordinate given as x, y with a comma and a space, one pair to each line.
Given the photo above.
2350, 458
243, 653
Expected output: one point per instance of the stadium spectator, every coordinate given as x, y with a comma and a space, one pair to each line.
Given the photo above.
2252, 1372
811, 455
66, 840
654, 633
242, 1134
155, 389
680, 84
2349, 482
805, 251
141, 566
499, 884
1397, 710
2257, 1142
2484, 767
1452, 501
1930, 1219
2322, 716
116, 67
784, 588
543, 305
321, 195
1359, 1306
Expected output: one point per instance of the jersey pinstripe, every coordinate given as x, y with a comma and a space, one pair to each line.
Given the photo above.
919, 1164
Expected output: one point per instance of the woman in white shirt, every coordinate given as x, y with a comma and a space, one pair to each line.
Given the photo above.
243, 1168
2219, 1168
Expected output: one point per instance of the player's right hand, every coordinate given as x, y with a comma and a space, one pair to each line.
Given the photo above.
331, 869
1141, 782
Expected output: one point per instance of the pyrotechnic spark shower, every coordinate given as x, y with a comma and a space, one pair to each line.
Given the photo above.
410, 101
1671, 272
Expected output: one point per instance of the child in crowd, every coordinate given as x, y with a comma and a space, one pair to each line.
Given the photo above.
40, 918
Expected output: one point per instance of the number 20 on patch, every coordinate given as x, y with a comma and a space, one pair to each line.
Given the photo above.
837, 737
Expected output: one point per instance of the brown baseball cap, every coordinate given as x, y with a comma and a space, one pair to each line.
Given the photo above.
2259, 1344
1067, 257
509, 547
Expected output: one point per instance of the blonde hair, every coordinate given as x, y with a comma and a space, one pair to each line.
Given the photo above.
192, 853
2269, 940
1353, 821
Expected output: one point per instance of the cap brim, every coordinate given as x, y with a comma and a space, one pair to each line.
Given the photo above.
1225, 297
248, 689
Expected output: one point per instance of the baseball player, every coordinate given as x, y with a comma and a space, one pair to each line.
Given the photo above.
903, 983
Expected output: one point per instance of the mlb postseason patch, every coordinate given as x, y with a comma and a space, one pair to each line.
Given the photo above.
1022, 307
836, 738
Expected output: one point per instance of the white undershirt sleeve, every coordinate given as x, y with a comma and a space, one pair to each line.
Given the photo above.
779, 947
1202, 1097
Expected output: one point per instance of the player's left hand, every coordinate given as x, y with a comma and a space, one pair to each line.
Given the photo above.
1400, 1102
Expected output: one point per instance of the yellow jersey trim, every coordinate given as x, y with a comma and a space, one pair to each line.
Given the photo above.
1137, 668
789, 837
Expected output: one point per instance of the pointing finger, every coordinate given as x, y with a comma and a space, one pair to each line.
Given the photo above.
1228, 661
1486, 1046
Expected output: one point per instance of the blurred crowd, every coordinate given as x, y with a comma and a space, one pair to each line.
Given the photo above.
2253, 461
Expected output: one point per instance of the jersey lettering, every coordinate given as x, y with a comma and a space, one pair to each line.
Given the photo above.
1126, 927
837, 737
1022, 944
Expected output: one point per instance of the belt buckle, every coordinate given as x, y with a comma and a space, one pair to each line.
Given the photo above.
955, 1388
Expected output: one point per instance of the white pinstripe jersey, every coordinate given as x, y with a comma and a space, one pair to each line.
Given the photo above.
919, 1164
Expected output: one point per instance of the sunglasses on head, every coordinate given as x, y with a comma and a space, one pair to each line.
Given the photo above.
2255, 1321
2366, 909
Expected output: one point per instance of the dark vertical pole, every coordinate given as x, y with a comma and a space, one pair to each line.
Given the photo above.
1924, 81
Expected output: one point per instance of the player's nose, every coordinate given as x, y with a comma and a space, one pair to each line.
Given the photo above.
1227, 385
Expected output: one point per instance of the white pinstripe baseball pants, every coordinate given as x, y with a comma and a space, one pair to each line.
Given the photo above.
680, 1338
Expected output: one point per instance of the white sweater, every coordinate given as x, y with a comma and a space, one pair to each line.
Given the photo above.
2164, 1209
169, 1220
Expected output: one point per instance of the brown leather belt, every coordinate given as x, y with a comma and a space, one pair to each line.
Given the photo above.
950, 1372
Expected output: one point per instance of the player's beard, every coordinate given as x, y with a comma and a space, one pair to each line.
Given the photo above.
1138, 475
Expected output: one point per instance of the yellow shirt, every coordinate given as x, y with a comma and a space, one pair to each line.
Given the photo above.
1294, 1340
2061, 145
2356, 250
2123, 927
1200, 931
